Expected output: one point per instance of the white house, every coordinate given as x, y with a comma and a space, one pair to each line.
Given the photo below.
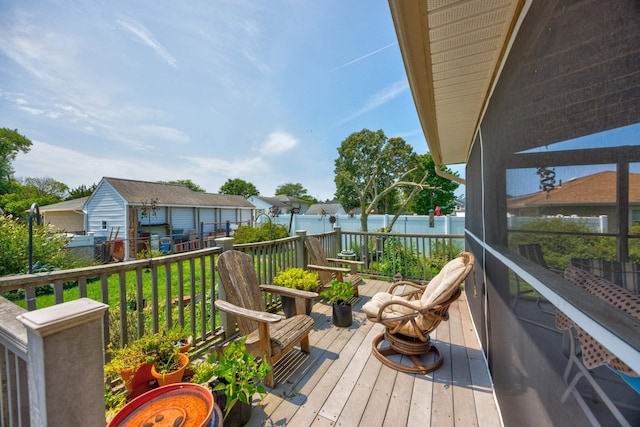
160, 213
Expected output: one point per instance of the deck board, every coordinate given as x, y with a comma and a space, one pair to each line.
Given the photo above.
340, 383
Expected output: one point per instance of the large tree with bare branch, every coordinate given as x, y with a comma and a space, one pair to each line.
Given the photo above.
370, 171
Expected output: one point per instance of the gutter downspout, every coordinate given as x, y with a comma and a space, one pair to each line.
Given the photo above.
448, 175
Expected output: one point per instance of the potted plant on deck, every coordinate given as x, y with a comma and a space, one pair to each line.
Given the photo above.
135, 362
300, 279
238, 376
339, 295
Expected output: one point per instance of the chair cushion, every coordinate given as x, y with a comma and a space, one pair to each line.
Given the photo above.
441, 287
439, 290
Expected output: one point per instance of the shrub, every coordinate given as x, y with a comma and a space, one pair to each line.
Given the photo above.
265, 232
297, 278
48, 247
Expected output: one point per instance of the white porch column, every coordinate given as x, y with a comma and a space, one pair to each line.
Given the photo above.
65, 363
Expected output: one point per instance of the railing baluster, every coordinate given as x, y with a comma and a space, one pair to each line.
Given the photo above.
168, 296
203, 298
154, 299
192, 292
139, 302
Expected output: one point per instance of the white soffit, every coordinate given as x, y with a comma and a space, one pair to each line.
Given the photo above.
453, 53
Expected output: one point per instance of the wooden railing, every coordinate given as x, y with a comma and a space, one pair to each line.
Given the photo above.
145, 296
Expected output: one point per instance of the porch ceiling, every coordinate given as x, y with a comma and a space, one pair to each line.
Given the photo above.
453, 52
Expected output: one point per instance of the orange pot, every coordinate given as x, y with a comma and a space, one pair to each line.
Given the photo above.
132, 380
171, 377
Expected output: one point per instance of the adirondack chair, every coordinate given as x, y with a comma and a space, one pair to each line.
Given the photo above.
411, 316
269, 336
326, 272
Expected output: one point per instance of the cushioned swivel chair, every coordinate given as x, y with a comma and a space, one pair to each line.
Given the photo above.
409, 317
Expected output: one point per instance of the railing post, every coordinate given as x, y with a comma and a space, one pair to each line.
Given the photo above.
302, 234
65, 363
227, 321
338, 241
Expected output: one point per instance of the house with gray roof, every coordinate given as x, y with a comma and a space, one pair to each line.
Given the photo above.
165, 215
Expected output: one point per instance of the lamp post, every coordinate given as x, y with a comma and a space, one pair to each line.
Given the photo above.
293, 211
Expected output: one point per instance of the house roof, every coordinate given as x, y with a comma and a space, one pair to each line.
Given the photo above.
290, 199
140, 192
67, 205
273, 201
596, 189
453, 54
328, 208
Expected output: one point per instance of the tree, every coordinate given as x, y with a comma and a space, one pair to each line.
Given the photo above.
370, 168
239, 187
293, 190
41, 187
187, 183
442, 192
22, 195
11, 143
81, 191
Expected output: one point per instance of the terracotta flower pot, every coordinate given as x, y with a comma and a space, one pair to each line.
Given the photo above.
175, 404
135, 378
174, 376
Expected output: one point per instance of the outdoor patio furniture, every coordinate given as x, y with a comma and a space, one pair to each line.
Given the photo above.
590, 354
326, 272
410, 316
532, 252
269, 335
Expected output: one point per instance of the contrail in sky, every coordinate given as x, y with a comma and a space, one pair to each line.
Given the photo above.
364, 56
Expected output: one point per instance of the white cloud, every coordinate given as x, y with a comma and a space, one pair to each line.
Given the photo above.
277, 143
71, 167
32, 111
378, 99
143, 35
164, 133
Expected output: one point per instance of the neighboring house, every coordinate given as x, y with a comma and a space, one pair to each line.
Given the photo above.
271, 206
591, 195
330, 208
68, 216
294, 202
131, 209
459, 210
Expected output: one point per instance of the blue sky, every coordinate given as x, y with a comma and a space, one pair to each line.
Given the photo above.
207, 91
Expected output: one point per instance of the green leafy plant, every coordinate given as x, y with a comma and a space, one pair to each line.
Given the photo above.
239, 373
297, 278
202, 372
157, 348
339, 292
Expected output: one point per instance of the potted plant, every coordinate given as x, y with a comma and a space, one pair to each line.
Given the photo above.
181, 338
237, 378
296, 278
133, 364
338, 295
170, 369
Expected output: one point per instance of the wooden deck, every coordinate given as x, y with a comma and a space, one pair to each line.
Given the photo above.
340, 383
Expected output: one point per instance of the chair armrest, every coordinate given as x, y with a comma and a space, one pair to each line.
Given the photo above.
258, 316
345, 261
288, 292
407, 316
324, 268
